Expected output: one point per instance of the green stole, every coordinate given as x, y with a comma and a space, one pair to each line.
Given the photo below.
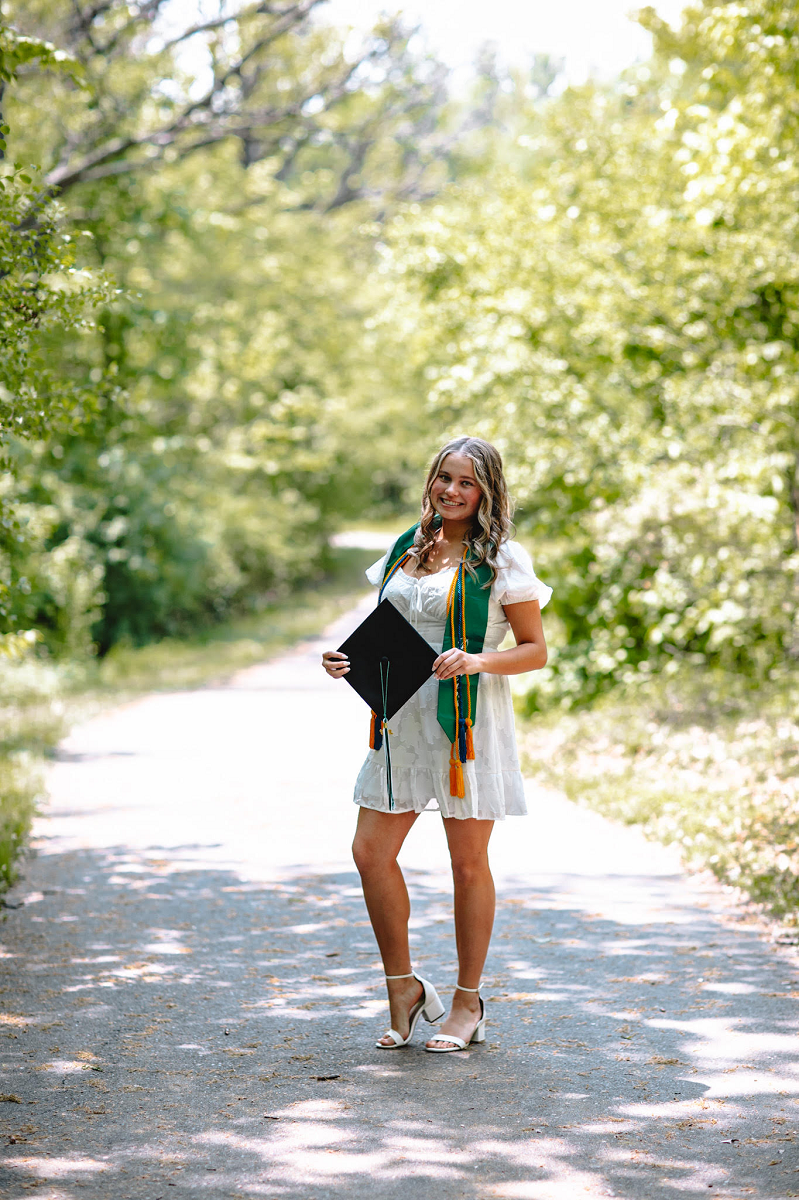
467, 620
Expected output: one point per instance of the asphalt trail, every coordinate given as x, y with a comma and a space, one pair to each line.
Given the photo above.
190, 990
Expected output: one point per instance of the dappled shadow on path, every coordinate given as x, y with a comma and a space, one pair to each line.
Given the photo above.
174, 1027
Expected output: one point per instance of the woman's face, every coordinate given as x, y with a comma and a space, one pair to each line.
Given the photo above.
455, 493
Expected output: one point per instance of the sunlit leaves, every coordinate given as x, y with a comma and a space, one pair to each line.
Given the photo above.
250, 404
619, 315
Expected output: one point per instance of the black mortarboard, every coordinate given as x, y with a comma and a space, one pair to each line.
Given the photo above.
389, 660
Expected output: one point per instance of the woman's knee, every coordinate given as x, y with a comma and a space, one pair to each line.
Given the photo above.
468, 870
370, 856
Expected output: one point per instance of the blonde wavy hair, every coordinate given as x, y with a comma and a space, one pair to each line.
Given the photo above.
492, 524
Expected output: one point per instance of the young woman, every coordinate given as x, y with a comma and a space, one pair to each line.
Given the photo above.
462, 583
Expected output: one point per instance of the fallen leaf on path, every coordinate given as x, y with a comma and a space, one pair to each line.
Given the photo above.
10, 1099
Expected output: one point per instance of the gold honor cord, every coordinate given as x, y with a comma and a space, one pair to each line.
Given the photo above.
463, 746
467, 614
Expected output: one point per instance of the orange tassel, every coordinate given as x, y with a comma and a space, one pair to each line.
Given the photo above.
456, 784
469, 739
372, 728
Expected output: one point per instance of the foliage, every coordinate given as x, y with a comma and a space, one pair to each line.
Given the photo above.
30, 724
43, 297
18, 790
333, 118
243, 423
40, 288
237, 436
718, 780
617, 309
17, 51
42, 292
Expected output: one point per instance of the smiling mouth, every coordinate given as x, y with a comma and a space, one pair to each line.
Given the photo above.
453, 503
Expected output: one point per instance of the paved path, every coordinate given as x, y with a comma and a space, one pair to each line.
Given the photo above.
191, 992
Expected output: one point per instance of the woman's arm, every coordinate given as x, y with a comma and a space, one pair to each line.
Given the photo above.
529, 653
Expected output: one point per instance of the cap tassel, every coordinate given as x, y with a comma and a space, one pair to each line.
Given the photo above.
375, 732
383, 735
456, 784
389, 782
469, 739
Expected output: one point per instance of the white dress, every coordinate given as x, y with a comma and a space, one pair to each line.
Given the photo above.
419, 747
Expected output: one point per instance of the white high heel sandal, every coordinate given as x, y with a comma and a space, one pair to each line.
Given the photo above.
478, 1033
429, 1006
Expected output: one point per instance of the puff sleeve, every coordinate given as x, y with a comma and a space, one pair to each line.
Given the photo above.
516, 579
375, 573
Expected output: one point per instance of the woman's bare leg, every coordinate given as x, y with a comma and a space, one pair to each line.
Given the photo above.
474, 916
378, 841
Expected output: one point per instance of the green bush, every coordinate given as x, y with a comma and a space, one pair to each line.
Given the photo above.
19, 789
137, 543
31, 721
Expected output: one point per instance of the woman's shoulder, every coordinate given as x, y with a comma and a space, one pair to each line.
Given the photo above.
513, 554
516, 579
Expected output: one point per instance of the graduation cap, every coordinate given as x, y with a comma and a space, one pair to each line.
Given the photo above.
389, 662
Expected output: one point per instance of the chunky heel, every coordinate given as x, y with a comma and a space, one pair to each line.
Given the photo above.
428, 1006
450, 1042
433, 1010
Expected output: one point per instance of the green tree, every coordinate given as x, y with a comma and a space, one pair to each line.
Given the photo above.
250, 398
353, 121
41, 287
45, 295
618, 313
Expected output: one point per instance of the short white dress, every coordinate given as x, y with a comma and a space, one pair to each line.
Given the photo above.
419, 747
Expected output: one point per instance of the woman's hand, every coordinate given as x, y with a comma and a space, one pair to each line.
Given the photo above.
335, 663
456, 662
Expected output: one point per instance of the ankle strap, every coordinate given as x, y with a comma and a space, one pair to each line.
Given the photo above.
410, 975
459, 988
